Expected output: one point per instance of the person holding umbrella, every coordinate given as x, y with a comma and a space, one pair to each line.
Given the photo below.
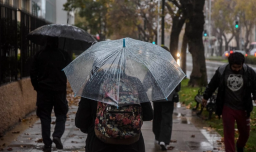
50, 83
110, 73
47, 76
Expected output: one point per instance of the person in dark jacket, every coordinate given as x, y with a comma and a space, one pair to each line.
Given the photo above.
163, 111
85, 120
50, 82
236, 82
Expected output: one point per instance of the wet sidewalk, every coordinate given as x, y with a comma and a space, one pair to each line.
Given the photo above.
188, 135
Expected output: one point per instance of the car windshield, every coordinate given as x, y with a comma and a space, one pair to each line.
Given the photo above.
252, 46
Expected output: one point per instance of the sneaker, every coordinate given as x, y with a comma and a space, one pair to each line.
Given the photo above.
57, 142
163, 146
47, 148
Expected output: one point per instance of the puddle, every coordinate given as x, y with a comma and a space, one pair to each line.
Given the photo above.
18, 129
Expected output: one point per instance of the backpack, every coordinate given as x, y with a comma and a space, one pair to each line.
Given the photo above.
119, 125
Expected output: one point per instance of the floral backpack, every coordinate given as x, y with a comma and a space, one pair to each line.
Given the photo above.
119, 125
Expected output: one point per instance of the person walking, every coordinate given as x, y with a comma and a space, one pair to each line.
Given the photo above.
90, 114
50, 83
163, 111
235, 81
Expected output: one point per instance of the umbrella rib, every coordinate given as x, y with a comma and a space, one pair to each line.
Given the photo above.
149, 71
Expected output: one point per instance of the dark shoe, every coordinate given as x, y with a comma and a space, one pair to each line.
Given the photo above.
239, 149
57, 142
47, 149
163, 146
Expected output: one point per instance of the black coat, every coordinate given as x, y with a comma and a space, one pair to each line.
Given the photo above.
46, 70
218, 81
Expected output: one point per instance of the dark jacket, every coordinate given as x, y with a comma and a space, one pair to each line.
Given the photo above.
46, 70
218, 81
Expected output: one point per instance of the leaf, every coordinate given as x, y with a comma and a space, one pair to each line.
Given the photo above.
173, 141
170, 148
39, 140
9, 149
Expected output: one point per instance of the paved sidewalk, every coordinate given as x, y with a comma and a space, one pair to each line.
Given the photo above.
188, 135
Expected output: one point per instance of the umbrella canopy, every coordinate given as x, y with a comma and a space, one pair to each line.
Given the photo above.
146, 66
70, 37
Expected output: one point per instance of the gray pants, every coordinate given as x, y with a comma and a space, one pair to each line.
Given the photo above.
162, 122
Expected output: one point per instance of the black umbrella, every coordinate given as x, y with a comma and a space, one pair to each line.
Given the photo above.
70, 37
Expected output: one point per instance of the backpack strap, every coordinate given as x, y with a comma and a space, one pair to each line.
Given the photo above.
222, 69
245, 67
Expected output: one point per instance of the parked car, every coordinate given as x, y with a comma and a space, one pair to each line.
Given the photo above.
252, 46
253, 52
226, 54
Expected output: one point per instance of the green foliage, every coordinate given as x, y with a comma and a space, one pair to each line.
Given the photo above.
120, 17
250, 59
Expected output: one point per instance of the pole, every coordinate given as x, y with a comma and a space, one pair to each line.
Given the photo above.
210, 26
158, 27
163, 6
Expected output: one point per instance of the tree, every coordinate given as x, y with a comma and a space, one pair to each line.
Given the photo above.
95, 12
193, 32
223, 17
178, 20
245, 10
118, 17
191, 13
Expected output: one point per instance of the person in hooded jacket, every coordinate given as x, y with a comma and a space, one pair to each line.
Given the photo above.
50, 83
236, 82
85, 121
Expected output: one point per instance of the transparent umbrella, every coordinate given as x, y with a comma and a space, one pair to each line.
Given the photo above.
145, 65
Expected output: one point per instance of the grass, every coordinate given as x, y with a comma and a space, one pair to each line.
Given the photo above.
217, 58
187, 95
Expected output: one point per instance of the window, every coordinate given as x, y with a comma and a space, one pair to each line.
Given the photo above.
16, 3
35, 9
24, 5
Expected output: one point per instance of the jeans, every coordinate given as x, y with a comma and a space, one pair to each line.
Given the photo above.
229, 116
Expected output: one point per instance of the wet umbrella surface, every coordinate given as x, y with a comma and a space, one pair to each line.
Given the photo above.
70, 37
99, 72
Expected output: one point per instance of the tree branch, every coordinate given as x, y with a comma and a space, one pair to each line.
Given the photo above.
170, 9
175, 3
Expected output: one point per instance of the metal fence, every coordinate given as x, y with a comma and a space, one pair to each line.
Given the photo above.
16, 51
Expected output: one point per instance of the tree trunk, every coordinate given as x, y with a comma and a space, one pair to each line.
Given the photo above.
194, 31
184, 53
237, 42
177, 25
221, 44
198, 75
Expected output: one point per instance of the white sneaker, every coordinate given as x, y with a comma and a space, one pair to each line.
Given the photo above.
163, 146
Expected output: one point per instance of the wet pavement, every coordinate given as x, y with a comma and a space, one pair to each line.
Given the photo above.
190, 134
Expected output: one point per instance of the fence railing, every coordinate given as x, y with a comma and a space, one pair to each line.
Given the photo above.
16, 51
